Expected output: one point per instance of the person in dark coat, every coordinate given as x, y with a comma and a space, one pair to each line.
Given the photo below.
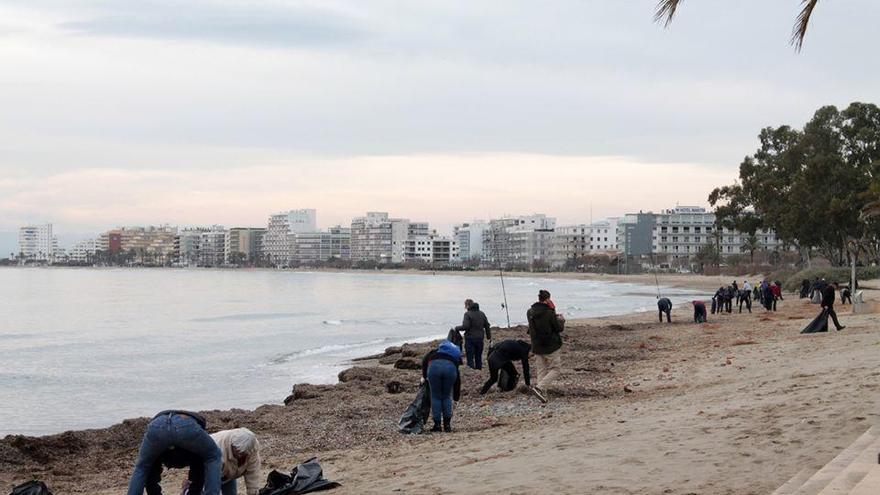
805, 288
728, 298
845, 295
545, 331
664, 305
440, 368
767, 296
745, 297
502, 355
828, 296
699, 312
718, 301
776, 290
476, 330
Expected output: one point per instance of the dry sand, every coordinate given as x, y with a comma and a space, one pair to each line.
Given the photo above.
735, 406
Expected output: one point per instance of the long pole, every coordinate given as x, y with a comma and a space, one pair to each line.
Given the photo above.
504, 292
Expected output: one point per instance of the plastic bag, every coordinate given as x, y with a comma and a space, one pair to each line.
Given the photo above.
416, 414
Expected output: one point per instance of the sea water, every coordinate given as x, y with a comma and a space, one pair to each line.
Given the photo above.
85, 348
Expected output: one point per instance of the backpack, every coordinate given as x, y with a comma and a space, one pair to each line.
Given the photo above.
508, 378
31, 488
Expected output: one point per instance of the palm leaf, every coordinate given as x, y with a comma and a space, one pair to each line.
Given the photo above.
803, 21
666, 11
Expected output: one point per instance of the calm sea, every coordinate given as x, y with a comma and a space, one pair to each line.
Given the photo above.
87, 348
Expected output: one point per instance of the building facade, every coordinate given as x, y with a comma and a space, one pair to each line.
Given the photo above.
212, 247
83, 251
244, 245
378, 237
313, 248
520, 241
469, 237
146, 245
278, 239
432, 249
37, 243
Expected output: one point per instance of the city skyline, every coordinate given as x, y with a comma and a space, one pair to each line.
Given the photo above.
131, 112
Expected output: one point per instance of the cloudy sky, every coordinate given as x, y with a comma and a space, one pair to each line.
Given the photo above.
118, 112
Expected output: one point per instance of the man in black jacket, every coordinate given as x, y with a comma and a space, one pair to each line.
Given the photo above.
502, 356
475, 326
828, 297
545, 330
664, 305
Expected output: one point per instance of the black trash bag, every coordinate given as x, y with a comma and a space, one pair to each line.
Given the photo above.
416, 415
714, 306
307, 477
819, 324
508, 378
31, 488
455, 338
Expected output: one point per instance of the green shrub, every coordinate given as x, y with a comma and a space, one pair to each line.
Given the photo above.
831, 274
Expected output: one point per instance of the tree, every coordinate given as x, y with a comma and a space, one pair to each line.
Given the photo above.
808, 185
708, 255
666, 10
751, 245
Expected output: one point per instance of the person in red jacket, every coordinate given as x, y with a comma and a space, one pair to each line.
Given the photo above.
777, 293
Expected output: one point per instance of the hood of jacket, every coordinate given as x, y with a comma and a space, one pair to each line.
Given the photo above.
447, 348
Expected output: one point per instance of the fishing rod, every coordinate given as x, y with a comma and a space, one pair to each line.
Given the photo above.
501, 274
656, 278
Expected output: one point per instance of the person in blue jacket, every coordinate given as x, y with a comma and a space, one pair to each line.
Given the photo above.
440, 368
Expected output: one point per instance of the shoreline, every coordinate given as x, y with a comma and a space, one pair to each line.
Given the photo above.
627, 370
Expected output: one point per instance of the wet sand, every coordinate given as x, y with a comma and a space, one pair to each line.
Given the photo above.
735, 406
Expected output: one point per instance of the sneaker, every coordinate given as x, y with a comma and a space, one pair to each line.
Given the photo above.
539, 394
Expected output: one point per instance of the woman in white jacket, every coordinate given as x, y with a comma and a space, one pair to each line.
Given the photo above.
240, 451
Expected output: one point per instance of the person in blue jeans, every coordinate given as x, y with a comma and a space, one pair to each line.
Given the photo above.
440, 368
176, 430
476, 330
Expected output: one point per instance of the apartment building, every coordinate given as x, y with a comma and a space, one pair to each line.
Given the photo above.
37, 243
152, 244
311, 248
83, 251
432, 249
378, 237
244, 245
212, 247
469, 237
278, 239
518, 240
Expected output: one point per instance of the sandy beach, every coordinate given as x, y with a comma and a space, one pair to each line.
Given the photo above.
734, 406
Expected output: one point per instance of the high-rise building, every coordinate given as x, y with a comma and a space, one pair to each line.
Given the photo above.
311, 248
37, 243
244, 245
212, 247
278, 242
432, 249
377, 237
470, 239
518, 240
147, 245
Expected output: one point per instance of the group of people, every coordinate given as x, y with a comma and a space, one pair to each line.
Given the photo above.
440, 366
179, 439
767, 293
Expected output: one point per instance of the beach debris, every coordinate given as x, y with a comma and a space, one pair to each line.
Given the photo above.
394, 387
407, 364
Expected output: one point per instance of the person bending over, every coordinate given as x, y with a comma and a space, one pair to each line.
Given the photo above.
176, 430
699, 312
664, 305
502, 356
241, 458
440, 368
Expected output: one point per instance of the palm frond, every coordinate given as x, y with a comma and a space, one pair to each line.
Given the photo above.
666, 11
803, 21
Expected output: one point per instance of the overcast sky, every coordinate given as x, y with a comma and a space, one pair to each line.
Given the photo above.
156, 111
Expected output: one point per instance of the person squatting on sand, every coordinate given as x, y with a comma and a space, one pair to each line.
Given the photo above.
828, 297
502, 355
545, 329
475, 326
664, 305
440, 368
176, 430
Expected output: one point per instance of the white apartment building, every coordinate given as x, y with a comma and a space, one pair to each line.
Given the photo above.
680, 233
83, 251
277, 242
470, 238
212, 247
312, 248
380, 238
518, 240
37, 243
432, 249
